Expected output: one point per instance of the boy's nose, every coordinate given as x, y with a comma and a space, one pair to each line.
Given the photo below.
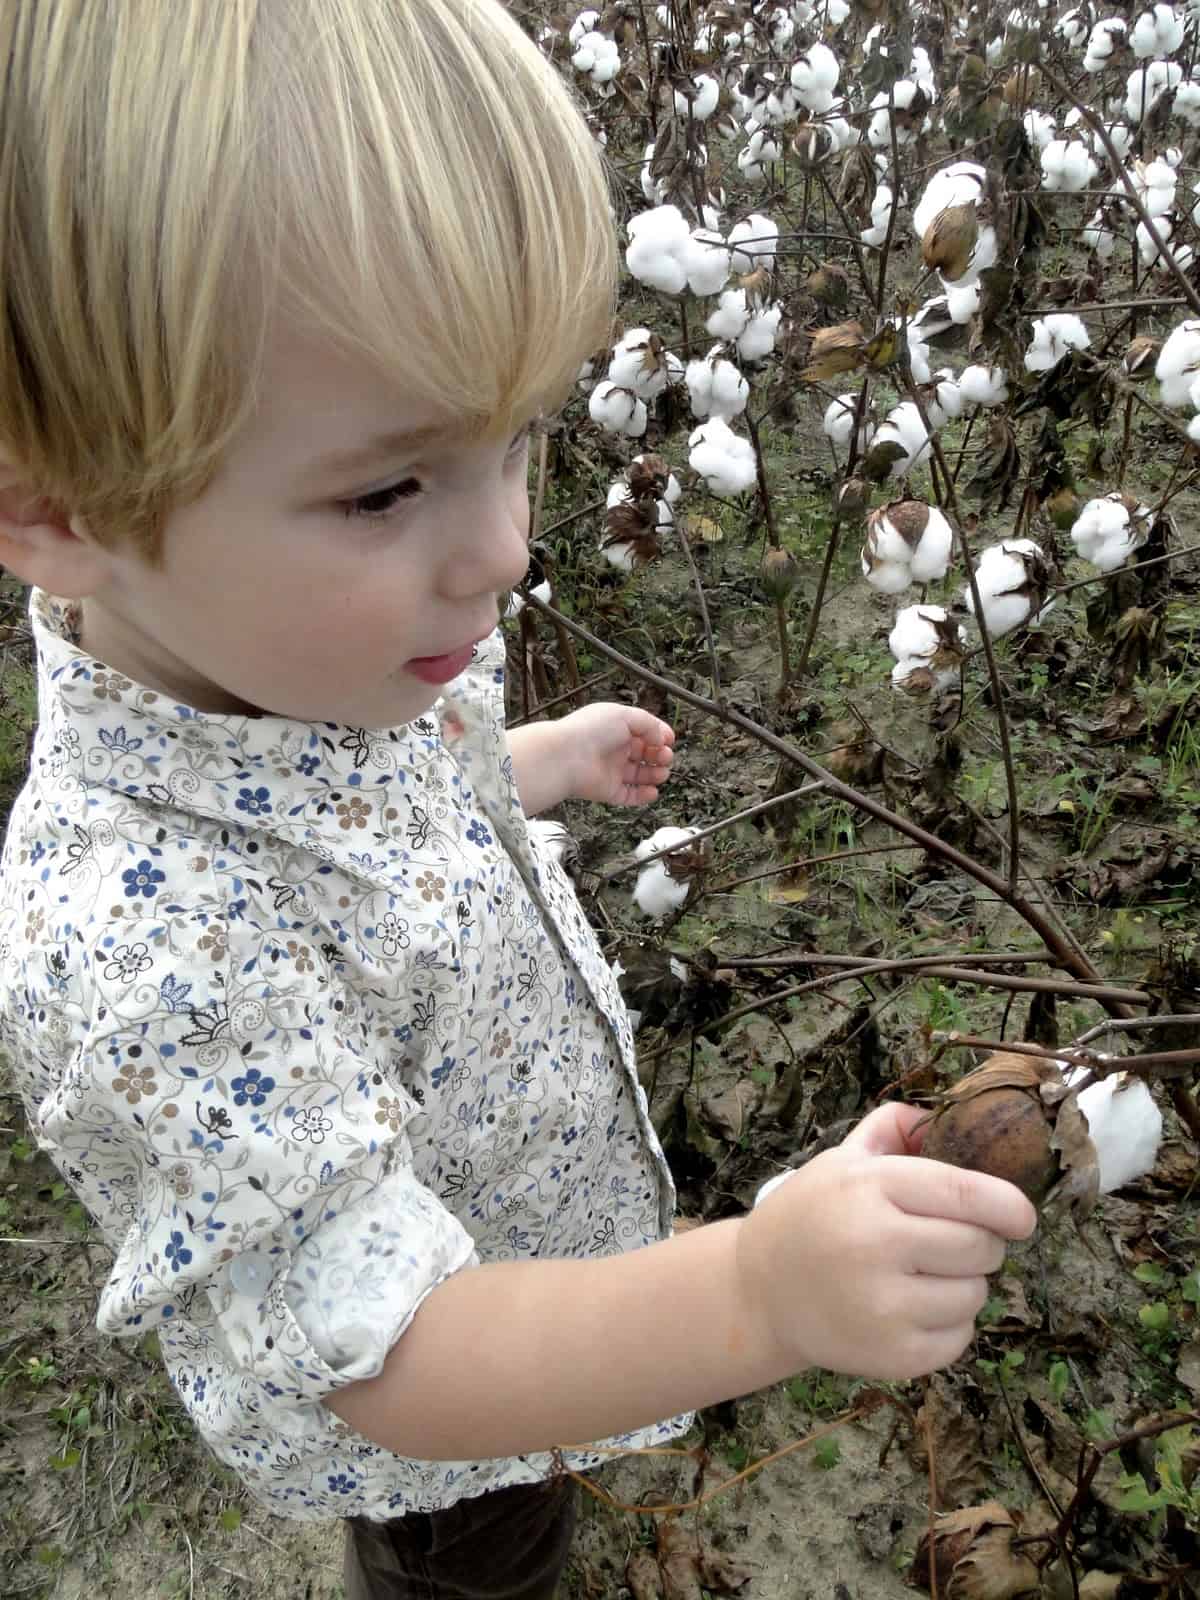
489, 551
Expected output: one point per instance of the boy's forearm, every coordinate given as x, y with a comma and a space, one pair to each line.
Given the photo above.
514, 1357
539, 766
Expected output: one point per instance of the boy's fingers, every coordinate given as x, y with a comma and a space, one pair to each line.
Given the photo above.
936, 1189
886, 1131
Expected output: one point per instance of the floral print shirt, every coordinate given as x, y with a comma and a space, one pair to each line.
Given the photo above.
309, 1021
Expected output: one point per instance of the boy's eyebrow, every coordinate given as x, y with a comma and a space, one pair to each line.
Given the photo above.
380, 447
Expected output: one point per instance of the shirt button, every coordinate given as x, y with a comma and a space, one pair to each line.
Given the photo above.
250, 1274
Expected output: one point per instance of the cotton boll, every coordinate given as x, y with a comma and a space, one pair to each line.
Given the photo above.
655, 254
640, 362
516, 602
757, 339
1154, 182
706, 260
703, 99
1124, 1125
962, 300
585, 22
1109, 529
1067, 165
1187, 103
716, 387
729, 320
1103, 41
1072, 27
1098, 236
881, 210
888, 577
1053, 337
654, 189
960, 183
931, 320
1012, 578
984, 386
554, 838
1178, 363
656, 892
725, 461
762, 150
672, 491
1147, 85
597, 57
814, 77
753, 242
1039, 129
617, 410
918, 358
947, 396
931, 558
839, 418
1156, 33
922, 635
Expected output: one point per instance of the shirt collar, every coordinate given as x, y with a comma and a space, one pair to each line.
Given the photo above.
307, 782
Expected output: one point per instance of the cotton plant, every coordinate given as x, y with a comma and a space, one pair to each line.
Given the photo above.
642, 363
722, 458
838, 423
1040, 129
1109, 529
1013, 579
983, 386
1147, 85
946, 221
596, 58
929, 649
1178, 366
1123, 1122
907, 542
701, 102
618, 410
1067, 166
1054, 337
1154, 183
715, 386
1072, 27
750, 327
906, 108
760, 153
881, 211
663, 885
1156, 33
1104, 41
904, 429
814, 78
753, 243
1099, 235
637, 511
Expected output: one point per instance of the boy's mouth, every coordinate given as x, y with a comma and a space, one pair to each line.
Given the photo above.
441, 669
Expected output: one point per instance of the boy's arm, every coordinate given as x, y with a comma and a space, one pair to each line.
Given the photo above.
867, 1261
608, 752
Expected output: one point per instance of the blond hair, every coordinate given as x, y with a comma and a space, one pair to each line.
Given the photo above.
408, 177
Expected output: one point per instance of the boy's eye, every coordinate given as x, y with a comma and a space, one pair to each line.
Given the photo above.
380, 501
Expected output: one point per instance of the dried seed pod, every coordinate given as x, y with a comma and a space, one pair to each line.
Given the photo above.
834, 350
1140, 358
950, 240
779, 573
996, 1120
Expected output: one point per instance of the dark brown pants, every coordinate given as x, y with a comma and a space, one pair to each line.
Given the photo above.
509, 1544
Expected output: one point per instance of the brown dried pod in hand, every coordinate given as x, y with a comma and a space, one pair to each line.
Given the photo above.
1014, 1117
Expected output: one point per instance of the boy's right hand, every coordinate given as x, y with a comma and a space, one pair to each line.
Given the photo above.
873, 1260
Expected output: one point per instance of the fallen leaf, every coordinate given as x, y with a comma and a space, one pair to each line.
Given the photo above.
641, 1575
688, 1565
958, 1452
972, 1556
1187, 1368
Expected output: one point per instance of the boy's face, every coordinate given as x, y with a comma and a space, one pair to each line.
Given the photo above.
278, 593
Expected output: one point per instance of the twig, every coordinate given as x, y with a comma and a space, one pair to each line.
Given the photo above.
714, 665
626, 864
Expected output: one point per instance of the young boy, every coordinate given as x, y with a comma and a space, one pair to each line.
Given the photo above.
303, 1013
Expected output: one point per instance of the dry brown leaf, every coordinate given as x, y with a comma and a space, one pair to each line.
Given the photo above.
973, 1556
957, 1445
641, 1575
1080, 1183
688, 1565
729, 1112
1187, 1368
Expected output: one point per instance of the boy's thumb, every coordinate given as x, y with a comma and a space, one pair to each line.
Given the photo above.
887, 1131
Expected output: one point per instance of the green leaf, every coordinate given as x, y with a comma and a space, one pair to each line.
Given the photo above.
1060, 1380
1190, 1287
1099, 1425
64, 1462
1149, 1272
1136, 1496
1156, 1317
231, 1518
827, 1454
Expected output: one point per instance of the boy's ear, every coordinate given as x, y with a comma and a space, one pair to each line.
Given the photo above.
42, 544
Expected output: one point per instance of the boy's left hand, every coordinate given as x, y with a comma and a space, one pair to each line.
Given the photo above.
618, 755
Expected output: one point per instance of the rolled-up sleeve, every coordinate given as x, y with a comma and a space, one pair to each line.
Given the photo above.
257, 1146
